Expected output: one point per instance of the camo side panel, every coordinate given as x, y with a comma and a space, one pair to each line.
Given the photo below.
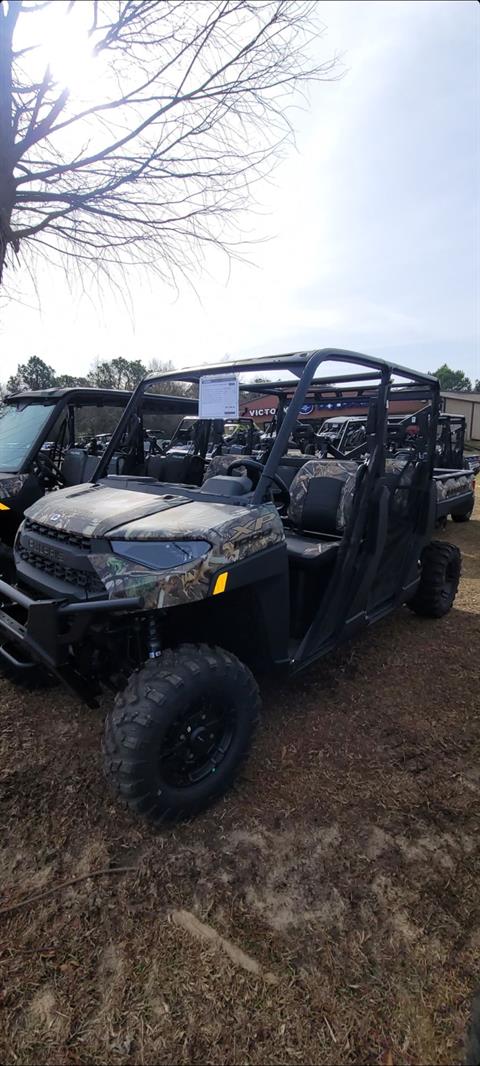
453, 486
220, 464
345, 469
11, 486
250, 532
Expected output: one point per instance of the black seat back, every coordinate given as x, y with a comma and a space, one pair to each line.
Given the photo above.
289, 467
91, 463
175, 469
73, 466
321, 495
321, 505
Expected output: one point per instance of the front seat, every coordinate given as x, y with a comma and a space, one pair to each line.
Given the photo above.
321, 498
73, 466
220, 464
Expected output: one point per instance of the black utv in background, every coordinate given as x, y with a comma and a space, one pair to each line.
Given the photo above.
53, 438
171, 583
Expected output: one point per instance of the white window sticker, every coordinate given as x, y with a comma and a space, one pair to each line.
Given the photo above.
219, 396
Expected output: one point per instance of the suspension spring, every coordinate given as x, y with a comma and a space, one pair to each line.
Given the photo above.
154, 646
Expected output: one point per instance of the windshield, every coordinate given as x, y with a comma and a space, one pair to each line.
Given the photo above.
19, 427
185, 433
331, 427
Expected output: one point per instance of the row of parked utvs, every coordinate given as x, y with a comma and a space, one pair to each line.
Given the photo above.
173, 578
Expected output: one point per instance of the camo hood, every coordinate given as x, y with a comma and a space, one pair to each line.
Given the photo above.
94, 510
230, 533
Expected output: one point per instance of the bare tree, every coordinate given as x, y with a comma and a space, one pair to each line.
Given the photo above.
183, 105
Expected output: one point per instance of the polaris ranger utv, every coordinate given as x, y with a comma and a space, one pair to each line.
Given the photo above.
214, 437
165, 590
454, 481
48, 440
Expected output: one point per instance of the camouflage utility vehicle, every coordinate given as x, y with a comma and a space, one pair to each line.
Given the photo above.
172, 583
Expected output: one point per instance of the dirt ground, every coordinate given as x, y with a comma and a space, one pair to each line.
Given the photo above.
327, 911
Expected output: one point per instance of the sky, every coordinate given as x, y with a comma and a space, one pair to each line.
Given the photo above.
373, 223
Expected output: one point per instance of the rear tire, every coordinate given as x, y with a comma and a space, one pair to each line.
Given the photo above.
465, 517
179, 732
441, 566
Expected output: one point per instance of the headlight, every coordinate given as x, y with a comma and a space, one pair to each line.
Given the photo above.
161, 554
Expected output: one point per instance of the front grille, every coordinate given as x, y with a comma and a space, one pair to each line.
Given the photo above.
81, 578
78, 540
52, 551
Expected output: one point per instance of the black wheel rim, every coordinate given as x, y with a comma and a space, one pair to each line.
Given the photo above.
196, 743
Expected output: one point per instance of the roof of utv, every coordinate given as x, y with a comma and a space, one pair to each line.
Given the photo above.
294, 362
344, 418
85, 397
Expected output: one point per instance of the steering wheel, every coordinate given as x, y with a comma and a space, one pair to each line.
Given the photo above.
257, 469
50, 470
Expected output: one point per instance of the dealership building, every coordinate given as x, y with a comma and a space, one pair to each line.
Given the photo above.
467, 404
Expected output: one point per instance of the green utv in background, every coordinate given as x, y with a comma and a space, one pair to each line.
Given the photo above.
172, 583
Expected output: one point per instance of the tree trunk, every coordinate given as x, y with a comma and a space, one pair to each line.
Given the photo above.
7, 182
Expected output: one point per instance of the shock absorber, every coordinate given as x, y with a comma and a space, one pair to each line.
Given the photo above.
153, 639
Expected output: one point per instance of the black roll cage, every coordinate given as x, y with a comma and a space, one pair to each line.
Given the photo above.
303, 365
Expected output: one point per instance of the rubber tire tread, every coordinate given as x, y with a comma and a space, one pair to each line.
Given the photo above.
138, 715
428, 600
472, 1049
465, 517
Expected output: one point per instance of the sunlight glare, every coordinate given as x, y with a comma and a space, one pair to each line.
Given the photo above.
65, 46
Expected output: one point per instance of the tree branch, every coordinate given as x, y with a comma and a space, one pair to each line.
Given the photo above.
191, 112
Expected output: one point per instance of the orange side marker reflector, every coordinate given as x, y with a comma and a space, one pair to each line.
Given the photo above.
3, 507
221, 583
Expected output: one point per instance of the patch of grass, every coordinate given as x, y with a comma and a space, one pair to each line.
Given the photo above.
345, 864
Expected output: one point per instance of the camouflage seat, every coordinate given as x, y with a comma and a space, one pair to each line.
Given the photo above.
220, 464
321, 495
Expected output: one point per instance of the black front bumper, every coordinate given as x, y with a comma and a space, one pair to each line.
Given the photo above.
48, 628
